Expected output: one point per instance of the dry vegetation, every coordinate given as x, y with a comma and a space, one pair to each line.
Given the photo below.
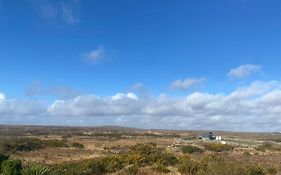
122, 151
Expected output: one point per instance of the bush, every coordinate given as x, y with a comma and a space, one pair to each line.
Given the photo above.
161, 168
29, 144
78, 145
22, 144
132, 170
36, 170
11, 167
247, 154
188, 149
272, 171
75, 168
167, 159
114, 163
55, 143
98, 167
268, 146
217, 147
147, 154
188, 166
3, 157
255, 170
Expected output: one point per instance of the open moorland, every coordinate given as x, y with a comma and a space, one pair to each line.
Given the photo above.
121, 151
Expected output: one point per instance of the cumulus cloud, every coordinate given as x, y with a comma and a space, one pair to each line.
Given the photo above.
244, 71
254, 107
2, 97
95, 106
186, 83
95, 55
20, 108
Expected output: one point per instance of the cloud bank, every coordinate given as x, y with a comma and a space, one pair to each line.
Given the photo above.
255, 107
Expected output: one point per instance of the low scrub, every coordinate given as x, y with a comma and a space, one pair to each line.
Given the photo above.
36, 170
11, 167
215, 165
28, 144
148, 157
269, 147
217, 147
78, 145
188, 149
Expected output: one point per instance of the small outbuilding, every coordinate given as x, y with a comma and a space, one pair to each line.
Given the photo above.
208, 136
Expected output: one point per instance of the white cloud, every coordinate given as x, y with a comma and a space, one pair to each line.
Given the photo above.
244, 71
95, 55
186, 83
255, 107
20, 108
2, 97
120, 96
91, 105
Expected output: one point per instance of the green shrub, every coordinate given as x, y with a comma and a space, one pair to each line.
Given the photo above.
161, 168
147, 154
246, 154
29, 144
78, 145
55, 143
114, 163
11, 167
132, 170
268, 146
272, 170
255, 170
36, 170
75, 168
217, 147
168, 159
188, 149
3, 157
98, 167
21, 144
188, 166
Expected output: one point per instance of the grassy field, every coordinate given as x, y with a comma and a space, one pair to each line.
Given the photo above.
117, 150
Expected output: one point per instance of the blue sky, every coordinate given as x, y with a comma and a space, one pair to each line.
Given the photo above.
62, 51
